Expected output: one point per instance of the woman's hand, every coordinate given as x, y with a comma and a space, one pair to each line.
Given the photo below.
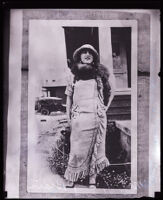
68, 109
110, 100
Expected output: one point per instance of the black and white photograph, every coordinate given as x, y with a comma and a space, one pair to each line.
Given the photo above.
81, 78
82, 115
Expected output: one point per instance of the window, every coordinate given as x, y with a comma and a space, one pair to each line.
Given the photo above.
120, 48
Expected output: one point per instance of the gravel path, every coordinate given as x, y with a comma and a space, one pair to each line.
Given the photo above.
40, 177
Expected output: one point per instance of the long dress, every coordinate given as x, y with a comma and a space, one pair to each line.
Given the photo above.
88, 130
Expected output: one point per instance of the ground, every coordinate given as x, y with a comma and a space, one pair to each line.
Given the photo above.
40, 176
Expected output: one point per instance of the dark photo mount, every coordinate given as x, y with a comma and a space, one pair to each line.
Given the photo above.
99, 4
5, 32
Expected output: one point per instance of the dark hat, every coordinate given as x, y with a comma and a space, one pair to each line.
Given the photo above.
78, 51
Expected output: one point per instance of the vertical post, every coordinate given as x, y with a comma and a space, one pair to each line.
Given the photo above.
105, 48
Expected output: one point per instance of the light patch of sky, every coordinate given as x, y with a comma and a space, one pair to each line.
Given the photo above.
47, 54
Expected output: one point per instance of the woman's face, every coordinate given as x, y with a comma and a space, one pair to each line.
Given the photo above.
86, 57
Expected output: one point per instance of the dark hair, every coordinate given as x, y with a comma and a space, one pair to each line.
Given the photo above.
94, 64
95, 58
89, 71
104, 73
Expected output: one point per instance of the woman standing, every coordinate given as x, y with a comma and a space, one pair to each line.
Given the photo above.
89, 94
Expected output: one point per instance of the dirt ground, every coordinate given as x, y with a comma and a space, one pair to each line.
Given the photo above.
40, 177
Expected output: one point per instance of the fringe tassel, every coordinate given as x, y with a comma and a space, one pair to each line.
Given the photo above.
74, 176
100, 166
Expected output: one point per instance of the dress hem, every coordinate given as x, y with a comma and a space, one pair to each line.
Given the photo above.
74, 174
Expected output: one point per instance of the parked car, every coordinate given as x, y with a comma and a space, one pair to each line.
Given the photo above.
46, 105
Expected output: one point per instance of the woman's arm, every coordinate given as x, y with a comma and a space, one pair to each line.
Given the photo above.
108, 80
68, 108
112, 92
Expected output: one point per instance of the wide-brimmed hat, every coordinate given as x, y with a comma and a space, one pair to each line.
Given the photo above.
78, 51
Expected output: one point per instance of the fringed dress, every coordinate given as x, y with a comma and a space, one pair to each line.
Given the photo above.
88, 129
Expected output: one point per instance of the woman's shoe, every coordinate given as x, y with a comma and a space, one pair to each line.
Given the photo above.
92, 185
70, 185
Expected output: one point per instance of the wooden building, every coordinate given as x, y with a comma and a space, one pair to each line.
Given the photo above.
119, 46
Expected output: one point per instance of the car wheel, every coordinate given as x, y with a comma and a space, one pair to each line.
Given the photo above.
45, 111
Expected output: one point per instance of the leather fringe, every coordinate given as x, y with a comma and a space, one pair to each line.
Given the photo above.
100, 166
74, 176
